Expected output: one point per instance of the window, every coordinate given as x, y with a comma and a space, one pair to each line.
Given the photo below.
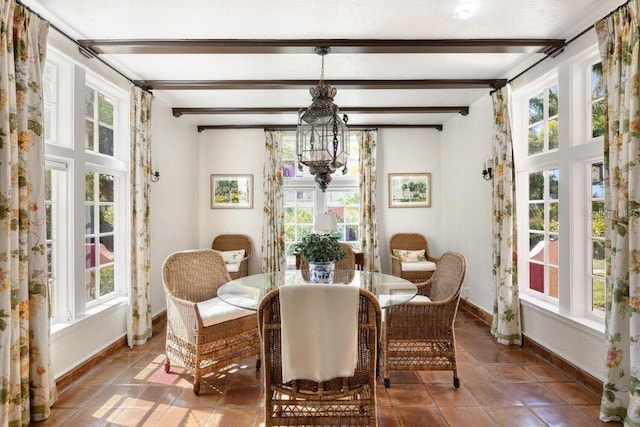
596, 235
543, 121
597, 101
559, 179
303, 198
85, 176
543, 233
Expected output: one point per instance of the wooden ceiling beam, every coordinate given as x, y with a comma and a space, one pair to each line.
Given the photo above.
305, 84
293, 127
179, 111
307, 46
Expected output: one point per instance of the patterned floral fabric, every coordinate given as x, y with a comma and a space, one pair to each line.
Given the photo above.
27, 385
409, 256
506, 306
273, 256
232, 257
618, 36
368, 230
140, 322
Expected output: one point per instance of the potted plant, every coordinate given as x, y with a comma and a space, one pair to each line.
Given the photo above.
321, 252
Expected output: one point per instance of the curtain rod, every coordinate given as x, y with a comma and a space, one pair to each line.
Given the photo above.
83, 50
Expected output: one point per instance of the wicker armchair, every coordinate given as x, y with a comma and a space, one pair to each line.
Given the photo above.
414, 272
419, 335
204, 334
346, 263
339, 401
232, 242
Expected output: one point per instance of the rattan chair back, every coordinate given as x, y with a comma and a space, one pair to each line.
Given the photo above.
232, 242
339, 401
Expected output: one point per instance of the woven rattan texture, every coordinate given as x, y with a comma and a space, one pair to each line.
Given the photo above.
420, 335
233, 242
340, 401
190, 277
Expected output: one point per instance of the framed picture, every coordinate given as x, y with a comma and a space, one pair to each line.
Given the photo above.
231, 191
409, 190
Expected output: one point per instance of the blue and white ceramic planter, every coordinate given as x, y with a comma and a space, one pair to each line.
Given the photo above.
321, 272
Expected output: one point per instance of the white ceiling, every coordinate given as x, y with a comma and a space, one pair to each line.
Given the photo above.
327, 19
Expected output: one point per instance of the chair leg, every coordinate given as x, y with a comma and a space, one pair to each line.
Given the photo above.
167, 364
456, 382
386, 382
258, 362
196, 378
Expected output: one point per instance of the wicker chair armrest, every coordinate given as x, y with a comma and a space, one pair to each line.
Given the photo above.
184, 317
396, 266
419, 320
424, 287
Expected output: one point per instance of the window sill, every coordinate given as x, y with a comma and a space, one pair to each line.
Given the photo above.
591, 326
97, 310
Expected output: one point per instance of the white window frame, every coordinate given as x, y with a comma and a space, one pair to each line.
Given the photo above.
576, 151
67, 147
339, 182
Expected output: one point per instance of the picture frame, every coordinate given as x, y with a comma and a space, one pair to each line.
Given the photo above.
409, 190
231, 191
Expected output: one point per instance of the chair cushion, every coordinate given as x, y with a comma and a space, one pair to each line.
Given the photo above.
419, 298
233, 267
232, 257
214, 311
419, 266
406, 255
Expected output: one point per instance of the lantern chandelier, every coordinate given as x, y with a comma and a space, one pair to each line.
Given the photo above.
322, 137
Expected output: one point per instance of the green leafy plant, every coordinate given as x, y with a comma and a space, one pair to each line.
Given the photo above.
320, 248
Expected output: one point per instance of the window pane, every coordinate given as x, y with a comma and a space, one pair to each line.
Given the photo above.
288, 169
597, 82
553, 101
553, 282
536, 139
351, 234
536, 108
536, 186
553, 184
536, 216
598, 293
536, 246
106, 219
536, 276
89, 97
106, 188
90, 253
597, 268
597, 119
90, 284
305, 215
89, 220
107, 284
597, 219
338, 211
289, 215
49, 221
89, 135
105, 109
597, 181
89, 196
352, 214
554, 249
106, 254
553, 134
554, 225
106, 140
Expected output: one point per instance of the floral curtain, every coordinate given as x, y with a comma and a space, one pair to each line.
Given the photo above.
139, 322
273, 256
27, 385
618, 36
505, 326
368, 231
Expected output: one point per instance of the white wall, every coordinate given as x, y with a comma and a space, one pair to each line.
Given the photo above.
466, 224
231, 152
409, 151
242, 151
174, 198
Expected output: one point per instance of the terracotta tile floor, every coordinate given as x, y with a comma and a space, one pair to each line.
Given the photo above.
500, 386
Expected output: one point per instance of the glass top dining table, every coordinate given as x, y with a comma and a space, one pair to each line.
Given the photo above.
246, 292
